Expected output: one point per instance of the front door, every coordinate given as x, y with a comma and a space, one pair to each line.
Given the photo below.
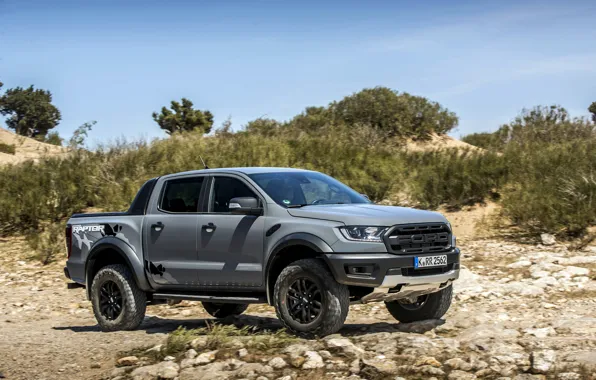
171, 233
230, 247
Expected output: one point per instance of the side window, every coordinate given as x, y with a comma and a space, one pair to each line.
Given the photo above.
181, 195
226, 188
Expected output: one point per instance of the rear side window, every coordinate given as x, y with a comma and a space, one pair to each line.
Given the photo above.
226, 188
181, 195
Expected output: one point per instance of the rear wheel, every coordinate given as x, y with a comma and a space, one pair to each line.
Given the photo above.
222, 310
308, 300
429, 306
118, 303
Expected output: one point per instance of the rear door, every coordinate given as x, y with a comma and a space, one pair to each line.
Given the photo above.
170, 231
230, 247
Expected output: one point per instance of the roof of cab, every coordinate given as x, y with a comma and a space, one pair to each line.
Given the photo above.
245, 170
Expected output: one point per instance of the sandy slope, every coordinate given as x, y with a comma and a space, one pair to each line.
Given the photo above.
439, 142
26, 148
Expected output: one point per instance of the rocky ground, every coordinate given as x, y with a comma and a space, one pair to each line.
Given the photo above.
519, 312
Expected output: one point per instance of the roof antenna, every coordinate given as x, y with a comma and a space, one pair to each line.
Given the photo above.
204, 164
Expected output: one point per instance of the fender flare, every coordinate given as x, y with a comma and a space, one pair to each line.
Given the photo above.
123, 250
300, 238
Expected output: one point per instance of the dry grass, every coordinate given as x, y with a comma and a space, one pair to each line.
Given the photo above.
220, 337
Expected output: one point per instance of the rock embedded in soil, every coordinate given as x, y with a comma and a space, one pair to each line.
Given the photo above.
543, 361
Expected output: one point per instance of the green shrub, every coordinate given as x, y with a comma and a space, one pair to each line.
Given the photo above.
47, 243
546, 182
552, 187
53, 188
454, 177
8, 148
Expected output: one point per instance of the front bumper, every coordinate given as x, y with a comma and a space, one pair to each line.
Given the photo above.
392, 276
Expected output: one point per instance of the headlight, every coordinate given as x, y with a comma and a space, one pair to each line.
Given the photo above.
363, 233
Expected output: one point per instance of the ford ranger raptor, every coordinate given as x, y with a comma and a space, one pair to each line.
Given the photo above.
298, 240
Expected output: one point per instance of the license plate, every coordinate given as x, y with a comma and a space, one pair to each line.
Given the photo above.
430, 261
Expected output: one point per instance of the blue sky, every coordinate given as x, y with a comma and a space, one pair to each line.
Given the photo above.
118, 61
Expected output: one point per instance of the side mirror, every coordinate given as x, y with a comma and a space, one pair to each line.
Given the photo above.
245, 206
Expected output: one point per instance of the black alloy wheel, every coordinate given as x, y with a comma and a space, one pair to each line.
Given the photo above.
110, 300
304, 300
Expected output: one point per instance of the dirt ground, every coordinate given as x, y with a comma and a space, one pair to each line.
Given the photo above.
534, 292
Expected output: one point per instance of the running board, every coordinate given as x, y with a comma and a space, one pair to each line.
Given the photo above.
208, 298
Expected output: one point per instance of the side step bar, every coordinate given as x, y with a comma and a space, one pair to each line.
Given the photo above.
209, 298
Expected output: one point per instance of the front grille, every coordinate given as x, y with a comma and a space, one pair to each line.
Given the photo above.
418, 238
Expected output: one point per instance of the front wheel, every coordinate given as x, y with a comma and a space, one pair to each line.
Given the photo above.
222, 310
308, 300
118, 303
429, 306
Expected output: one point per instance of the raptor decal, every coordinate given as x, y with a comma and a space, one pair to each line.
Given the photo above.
83, 241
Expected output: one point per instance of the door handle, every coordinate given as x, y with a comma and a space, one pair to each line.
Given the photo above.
157, 226
209, 227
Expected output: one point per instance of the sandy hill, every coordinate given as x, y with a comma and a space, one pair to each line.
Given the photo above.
26, 148
439, 142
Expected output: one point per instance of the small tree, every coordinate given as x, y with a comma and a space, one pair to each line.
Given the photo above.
30, 112
80, 135
592, 110
51, 138
183, 117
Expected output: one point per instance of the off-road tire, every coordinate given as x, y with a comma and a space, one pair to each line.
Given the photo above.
134, 300
222, 310
435, 307
335, 298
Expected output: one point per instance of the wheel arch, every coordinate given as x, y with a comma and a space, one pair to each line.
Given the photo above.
288, 249
111, 250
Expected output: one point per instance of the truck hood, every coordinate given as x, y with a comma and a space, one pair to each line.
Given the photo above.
367, 214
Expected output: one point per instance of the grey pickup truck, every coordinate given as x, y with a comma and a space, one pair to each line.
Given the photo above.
296, 239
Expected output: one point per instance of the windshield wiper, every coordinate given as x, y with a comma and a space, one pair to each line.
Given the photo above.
298, 205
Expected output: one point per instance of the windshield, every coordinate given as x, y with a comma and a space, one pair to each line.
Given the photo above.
305, 188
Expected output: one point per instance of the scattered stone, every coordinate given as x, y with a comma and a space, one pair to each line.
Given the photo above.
205, 358
169, 358
278, 363
190, 354
461, 375
458, 364
520, 264
355, 366
572, 271
242, 352
297, 361
378, 368
542, 332
427, 360
127, 361
548, 239
345, 346
313, 360
543, 361
569, 376
163, 370
325, 354
200, 343
120, 371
